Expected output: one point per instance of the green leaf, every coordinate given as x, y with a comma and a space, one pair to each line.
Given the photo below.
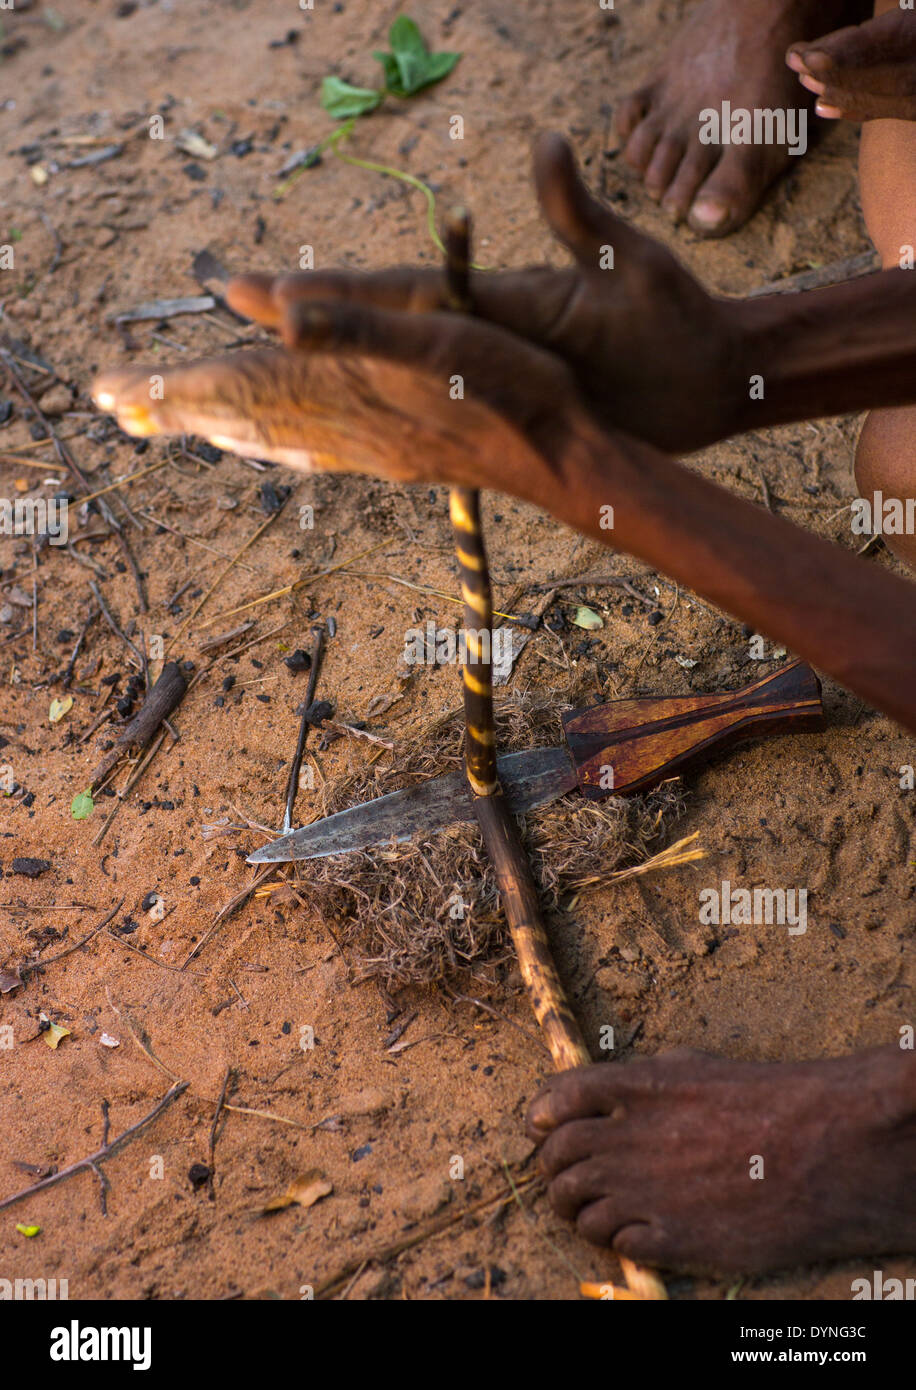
341, 100
405, 37
439, 66
82, 806
410, 66
392, 73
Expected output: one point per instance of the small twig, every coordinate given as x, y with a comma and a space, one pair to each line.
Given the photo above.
225, 912
164, 698
166, 308
192, 540
292, 785
835, 273
58, 244
299, 584
105, 1152
106, 614
68, 673
222, 574
34, 600
140, 1038
31, 967
134, 779
435, 1228
138, 951
123, 482
220, 1104
353, 732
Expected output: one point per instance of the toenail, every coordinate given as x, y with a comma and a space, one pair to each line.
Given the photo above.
539, 1113
812, 84
709, 213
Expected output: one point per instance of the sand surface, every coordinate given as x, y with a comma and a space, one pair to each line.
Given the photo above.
823, 811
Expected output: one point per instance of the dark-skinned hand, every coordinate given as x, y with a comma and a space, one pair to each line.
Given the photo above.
649, 350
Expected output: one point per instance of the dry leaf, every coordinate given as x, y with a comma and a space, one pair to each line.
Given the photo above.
54, 1034
10, 980
303, 1191
381, 704
588, 618
59, 708
195, 145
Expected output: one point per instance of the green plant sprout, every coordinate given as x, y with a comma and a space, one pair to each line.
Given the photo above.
408, 68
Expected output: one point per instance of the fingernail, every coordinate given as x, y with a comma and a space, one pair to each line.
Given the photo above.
796, 62
313, 319
709, 212
305, 323
829, 113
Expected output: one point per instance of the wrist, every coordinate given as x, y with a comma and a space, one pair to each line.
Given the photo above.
767, 334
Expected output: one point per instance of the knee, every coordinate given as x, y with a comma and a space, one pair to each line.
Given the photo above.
871, 460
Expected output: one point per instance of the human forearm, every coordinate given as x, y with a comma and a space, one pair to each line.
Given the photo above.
827, 352
846, 616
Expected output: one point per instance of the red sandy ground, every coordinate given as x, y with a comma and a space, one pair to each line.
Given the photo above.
824, 811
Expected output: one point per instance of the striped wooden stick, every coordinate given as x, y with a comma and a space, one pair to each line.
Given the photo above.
497, 825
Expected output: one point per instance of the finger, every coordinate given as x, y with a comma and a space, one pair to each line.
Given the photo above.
403, 288
577, 219
526, 302
521, 381
253, 296
266, 298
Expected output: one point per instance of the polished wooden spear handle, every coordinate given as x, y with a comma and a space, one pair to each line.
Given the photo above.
497, 825
631, 745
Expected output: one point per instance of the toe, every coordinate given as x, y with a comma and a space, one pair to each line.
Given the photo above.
631, 111
581, 1185
643, 1241
583, 1093
640, 147
795, 61
694, 168
578, 1141
812, 84
857, 45
730, 195
664, 162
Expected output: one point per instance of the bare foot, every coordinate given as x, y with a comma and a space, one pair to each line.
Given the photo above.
724, 52
692, 1162
864, 72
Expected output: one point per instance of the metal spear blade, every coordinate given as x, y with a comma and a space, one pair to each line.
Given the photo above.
530, 778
